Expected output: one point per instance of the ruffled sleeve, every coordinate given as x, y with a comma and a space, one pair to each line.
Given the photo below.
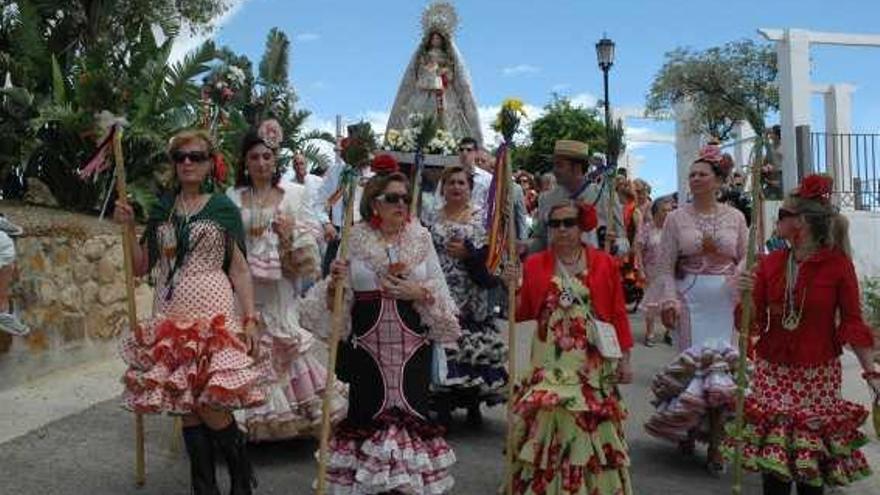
440, 313
316, 314
305, 246
852, 329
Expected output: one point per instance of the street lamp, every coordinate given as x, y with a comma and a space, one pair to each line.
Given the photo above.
605, 56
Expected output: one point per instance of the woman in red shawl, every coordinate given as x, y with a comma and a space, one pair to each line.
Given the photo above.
569, 414
798, 427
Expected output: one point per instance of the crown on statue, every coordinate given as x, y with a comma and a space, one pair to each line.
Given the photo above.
440, 17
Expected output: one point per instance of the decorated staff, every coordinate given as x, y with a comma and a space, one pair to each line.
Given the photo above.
427, 128
351, 154
502, 236
755, 229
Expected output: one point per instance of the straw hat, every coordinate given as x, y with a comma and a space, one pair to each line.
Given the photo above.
575, 150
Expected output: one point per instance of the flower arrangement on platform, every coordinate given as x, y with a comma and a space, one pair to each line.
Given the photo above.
509, 118
423, 132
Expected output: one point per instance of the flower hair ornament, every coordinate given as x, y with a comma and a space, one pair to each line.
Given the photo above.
816, 187
271, 134
384, 164
589, 220
722, 163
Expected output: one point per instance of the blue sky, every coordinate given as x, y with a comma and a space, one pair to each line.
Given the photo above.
348, 56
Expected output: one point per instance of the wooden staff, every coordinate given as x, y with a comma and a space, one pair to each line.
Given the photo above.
746, 322
415, 205
333, 341
513, 257
140, 476
611, 221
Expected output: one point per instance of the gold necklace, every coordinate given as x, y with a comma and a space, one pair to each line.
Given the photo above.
792, 315
258, 204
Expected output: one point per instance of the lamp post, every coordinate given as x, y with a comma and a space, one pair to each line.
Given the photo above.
605, 56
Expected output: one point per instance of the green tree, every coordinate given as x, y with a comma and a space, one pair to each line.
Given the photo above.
561, 120
727, 84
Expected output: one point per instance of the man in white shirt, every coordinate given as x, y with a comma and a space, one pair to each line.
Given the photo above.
329, 199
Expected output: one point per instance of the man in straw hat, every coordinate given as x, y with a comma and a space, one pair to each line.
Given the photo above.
571, 160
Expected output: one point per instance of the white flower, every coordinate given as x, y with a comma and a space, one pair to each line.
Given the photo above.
236, 75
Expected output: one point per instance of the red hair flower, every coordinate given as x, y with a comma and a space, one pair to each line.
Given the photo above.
588, 217
384, 164
816, 187
220, 168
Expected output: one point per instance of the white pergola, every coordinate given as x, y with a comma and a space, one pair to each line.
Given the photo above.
795, 89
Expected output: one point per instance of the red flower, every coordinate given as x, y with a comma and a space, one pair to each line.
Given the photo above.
588, 217
817, 187
220, 169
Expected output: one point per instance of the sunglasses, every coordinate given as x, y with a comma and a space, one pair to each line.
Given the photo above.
394, 198
194, 156
555, 223
783, 214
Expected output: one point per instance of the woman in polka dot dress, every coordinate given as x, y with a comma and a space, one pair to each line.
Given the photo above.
191, 358
798, 427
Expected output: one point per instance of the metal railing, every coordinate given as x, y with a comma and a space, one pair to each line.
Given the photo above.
852, 159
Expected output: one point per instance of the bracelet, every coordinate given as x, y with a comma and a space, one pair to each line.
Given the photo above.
870, 375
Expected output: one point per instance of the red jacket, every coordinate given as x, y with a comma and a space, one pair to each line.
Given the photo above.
832, 314
603, 280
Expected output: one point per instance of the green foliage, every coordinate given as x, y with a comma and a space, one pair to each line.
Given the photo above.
561, 120
74, 65
727, 84
871, 301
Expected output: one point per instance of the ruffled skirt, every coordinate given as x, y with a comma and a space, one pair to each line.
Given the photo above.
699, 381
176, 367
476, 371
397, 452
294, 384
569, 440
799, 428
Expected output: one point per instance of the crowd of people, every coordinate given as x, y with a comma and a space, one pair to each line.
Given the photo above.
245, 282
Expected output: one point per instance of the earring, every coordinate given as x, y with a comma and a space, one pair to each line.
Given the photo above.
375, 220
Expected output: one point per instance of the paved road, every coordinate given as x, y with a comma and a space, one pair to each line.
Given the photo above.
91, 453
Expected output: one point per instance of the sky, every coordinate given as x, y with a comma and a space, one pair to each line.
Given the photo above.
348, 56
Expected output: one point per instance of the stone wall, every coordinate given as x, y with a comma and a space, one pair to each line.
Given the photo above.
71, 292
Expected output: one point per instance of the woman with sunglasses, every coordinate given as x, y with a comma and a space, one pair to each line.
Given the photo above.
569, 413
702, 244
283, 258
398, 306
799, 429
475, 371
191, 358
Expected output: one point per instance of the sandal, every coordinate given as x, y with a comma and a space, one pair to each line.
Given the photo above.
649, 342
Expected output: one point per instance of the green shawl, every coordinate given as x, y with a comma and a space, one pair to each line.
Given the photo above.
219, 209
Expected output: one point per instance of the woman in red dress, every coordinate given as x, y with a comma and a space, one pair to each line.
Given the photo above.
798, 427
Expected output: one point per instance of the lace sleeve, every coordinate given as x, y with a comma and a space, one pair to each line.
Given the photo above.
316, 315
439, 313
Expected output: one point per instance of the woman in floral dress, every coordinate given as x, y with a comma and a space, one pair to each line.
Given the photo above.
398, 307
799, 429
569, 414
475, 371
283, 256
191, 358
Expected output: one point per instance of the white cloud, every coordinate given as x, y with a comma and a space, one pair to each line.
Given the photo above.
187, 41
648, 136
307, 37
520, 69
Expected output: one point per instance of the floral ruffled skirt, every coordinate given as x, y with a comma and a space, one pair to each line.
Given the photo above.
397, 453
177, 367
569, 438
799, 428
475, 372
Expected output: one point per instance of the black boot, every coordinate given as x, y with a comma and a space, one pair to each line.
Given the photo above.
233, 446
201, 460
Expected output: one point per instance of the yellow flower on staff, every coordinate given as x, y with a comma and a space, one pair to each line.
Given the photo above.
514, 105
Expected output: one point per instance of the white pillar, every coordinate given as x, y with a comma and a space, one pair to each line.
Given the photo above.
743, 135
838, 123
793, 54
687, 146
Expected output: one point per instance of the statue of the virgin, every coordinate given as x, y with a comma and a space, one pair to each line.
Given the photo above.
436, 81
